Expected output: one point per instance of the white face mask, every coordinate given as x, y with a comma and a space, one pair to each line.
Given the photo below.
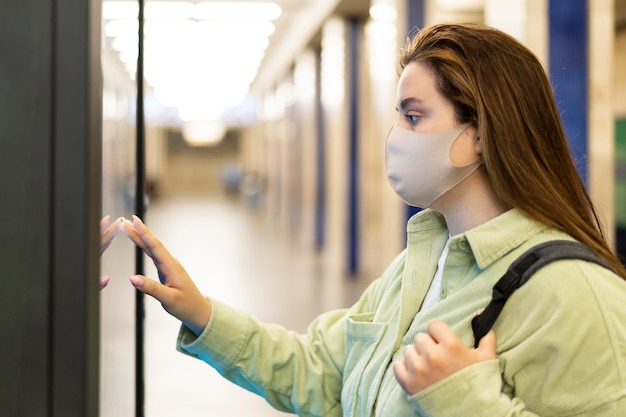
419, 167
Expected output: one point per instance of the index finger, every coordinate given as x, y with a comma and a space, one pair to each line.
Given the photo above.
441, 332
107, 233
130, 230
104, 223
151, 244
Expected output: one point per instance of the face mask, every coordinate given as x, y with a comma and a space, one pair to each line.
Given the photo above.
418, 164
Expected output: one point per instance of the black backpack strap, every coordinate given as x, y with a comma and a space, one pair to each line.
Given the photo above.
521, 270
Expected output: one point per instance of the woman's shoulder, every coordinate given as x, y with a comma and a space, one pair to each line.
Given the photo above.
577, 277
568, 311
572, 295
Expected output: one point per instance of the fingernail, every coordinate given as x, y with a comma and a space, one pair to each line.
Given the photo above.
136, 280
137, 219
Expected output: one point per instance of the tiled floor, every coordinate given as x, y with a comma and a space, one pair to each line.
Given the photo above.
235, 255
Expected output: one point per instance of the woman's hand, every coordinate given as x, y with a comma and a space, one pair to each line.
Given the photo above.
177, 293
108, 232
438, 354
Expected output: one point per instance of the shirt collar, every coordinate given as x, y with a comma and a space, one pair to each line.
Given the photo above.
488, 242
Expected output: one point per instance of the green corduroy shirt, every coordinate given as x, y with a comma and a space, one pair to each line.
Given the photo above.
561, 338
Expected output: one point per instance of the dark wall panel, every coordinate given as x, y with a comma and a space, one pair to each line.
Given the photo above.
76, 196
49, 183
25, 186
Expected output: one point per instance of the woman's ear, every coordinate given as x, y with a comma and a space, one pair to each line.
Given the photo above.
479, 146
466, 149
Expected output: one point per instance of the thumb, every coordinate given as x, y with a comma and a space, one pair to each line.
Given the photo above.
487, 346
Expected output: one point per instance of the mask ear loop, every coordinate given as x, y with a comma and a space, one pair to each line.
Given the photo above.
387, 149
465, 148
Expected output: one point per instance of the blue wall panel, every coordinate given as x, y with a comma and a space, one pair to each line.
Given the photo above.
568, 58
353, 48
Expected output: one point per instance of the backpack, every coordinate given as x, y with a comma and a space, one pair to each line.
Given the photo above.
520, 271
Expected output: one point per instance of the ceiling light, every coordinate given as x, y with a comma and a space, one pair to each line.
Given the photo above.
203, 133
121, 27
119, 10
169, 10
237, 11
202, 55
383, 11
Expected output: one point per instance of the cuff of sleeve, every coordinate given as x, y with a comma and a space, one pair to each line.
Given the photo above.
473, 391
221, 341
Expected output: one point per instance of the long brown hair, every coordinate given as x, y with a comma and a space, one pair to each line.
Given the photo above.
499, 86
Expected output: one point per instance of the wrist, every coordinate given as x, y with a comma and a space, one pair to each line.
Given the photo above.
200, 317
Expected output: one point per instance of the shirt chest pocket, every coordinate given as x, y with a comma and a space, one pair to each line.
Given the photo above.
363, 336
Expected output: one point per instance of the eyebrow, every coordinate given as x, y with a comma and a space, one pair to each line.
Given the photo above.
407, 101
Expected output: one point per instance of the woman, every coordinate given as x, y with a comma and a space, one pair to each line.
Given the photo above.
479, 143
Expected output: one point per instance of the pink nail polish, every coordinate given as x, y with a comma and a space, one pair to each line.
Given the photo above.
137, 281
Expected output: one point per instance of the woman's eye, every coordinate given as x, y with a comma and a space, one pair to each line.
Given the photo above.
413, 118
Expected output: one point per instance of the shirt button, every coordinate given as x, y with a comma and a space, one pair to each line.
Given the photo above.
444, 294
